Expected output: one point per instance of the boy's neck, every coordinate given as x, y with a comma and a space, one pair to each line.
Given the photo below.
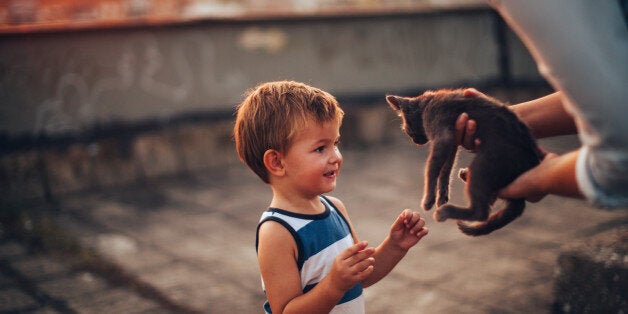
308, 206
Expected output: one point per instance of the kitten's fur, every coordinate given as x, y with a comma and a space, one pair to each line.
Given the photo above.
507, 149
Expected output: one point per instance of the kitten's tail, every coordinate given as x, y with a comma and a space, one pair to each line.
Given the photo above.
498, 219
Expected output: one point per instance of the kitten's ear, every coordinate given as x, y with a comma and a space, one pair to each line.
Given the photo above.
394, 102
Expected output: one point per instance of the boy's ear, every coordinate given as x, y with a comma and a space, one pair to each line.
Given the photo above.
273, 160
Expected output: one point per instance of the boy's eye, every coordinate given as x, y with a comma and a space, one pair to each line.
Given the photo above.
320, 149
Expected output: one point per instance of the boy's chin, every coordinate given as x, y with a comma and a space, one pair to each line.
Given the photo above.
330, 187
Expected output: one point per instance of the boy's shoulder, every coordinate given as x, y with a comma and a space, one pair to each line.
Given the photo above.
337, 203
273, 232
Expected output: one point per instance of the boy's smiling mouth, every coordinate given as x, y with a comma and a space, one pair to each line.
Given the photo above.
330, 174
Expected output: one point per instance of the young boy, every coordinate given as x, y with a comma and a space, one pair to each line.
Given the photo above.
310, 258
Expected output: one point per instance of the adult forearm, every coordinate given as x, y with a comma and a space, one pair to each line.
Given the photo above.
561, 175
555, 175
546, 116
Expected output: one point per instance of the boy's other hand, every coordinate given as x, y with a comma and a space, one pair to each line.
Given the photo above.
352, 266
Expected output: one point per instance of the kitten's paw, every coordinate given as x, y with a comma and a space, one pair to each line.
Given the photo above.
428, 203
442, 200
440, 215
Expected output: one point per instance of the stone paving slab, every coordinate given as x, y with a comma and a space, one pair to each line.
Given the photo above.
192, 240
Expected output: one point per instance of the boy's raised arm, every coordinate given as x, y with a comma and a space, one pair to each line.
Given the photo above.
406, 231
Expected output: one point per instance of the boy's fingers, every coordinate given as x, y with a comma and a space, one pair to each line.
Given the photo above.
418, 227
403, 216
402, 219
408, 216
413, 219
423, 232
359, 256
364, 264
365, 273
417, 219
352, 250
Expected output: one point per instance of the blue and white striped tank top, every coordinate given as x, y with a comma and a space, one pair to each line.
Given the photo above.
319, 239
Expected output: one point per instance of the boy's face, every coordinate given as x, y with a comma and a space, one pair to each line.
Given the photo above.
313, 161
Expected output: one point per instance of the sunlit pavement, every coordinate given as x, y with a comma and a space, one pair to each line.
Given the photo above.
187, 245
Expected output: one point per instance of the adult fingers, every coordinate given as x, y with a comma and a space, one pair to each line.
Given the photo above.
472, 92
465, 132
468, 141
461, 126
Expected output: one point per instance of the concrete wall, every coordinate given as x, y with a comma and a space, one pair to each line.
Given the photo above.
99, 108
69, 82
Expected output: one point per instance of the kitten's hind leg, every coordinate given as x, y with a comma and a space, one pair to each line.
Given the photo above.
496, 220
449, 211
481, 196
444, 177
439, 152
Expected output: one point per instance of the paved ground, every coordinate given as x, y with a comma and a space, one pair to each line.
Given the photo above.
187, 245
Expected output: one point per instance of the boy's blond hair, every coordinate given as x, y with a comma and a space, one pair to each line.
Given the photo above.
272, 113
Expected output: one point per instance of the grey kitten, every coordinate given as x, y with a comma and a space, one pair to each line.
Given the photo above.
507, 150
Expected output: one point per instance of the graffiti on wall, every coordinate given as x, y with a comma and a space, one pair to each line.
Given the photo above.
88, 79
141, 75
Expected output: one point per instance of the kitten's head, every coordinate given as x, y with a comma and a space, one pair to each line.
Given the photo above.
411, 112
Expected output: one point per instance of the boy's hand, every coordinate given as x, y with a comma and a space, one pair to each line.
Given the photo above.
352, 266
408, 229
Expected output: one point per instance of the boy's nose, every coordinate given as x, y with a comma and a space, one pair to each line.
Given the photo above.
336, 156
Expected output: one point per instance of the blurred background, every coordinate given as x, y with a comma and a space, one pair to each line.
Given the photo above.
121, 190
83, 82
